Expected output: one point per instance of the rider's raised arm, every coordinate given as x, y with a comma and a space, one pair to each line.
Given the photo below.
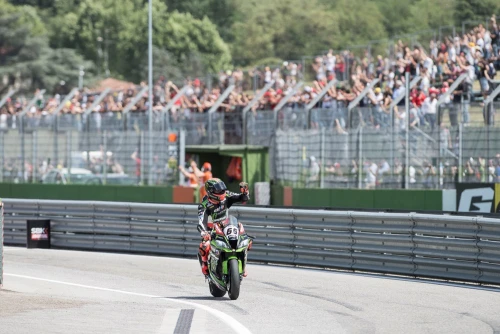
232, 198
202, 216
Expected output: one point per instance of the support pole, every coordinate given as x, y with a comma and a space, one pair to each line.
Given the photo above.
407, 139
288, 96
33, 155
68, 152
360, 158
322, 159
104, 157
256, 99
150, 85
460, 154
6, 97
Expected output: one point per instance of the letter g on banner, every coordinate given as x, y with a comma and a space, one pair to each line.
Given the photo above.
476, 199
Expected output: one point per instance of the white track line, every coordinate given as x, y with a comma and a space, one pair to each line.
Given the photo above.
225, 318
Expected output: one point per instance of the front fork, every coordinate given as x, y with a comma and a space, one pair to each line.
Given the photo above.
241, 265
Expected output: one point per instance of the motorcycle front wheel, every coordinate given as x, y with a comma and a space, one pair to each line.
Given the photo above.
215, 291
234, 279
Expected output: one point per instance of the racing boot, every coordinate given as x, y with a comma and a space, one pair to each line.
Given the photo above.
204, 268
203, 256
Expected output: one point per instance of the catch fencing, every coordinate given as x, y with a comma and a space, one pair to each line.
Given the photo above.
445, 247
374, 155
112, 157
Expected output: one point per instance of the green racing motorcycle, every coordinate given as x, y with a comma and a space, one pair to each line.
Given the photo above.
227, 258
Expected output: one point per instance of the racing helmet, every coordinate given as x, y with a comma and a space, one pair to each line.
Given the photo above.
216, 190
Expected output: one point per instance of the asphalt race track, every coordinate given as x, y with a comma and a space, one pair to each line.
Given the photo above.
55, 291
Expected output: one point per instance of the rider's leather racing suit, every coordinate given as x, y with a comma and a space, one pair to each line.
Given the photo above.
218, 213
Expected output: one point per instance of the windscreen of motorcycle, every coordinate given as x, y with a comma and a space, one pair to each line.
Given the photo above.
231, 230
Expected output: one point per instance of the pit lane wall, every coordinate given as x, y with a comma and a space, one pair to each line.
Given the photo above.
468, 197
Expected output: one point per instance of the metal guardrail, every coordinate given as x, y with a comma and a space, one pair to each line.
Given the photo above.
458, 248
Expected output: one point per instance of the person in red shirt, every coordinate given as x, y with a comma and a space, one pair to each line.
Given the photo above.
417, 97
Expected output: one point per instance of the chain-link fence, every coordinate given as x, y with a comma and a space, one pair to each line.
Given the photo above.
103, 157
374, 157
332, 146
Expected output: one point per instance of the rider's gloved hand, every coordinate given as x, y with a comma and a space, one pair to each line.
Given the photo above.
244, 188
205, 235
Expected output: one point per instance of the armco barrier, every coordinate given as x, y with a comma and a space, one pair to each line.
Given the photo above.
420, 245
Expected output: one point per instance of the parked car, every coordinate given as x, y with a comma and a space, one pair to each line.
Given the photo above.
62, 176
85, 176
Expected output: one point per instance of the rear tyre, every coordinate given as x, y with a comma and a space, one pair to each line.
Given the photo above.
234, 279
215, 291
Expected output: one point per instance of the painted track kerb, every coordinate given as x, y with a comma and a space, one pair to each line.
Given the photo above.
225, 318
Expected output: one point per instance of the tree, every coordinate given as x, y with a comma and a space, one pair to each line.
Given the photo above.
290, 29
223, 13
286, 29
119, 28
475, 10
26, 60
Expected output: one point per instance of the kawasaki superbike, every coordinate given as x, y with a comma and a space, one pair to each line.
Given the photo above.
227, 258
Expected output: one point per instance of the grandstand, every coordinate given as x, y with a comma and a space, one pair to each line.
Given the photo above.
345, 109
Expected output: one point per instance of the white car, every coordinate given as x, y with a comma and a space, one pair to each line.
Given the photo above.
62, 176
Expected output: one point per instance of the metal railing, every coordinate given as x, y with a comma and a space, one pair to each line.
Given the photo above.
449, 247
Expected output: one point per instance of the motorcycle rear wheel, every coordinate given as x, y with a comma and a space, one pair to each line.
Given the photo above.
215, 291
234, 279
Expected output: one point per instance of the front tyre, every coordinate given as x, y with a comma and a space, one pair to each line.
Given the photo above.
234, 279
215, 291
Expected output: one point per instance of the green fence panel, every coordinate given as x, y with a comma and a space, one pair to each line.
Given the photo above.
434, 200
351, 198
311, 197
94, 193
87, 192
396, 199
163, 195
277, 195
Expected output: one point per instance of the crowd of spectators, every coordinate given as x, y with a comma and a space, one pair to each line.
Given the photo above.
376, 174
476, 53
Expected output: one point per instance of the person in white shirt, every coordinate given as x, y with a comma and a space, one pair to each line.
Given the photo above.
378, 100
330, 61
371, 176
3, 120
429, 108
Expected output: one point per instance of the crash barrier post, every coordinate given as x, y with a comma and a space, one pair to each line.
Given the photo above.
440, 246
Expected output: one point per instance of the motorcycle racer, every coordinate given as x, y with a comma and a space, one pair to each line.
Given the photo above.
215, 205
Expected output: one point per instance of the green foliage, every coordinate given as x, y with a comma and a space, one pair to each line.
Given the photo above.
192, 37
431, 14
223, 13
119, 27
26, 59
286, 29
475, 10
